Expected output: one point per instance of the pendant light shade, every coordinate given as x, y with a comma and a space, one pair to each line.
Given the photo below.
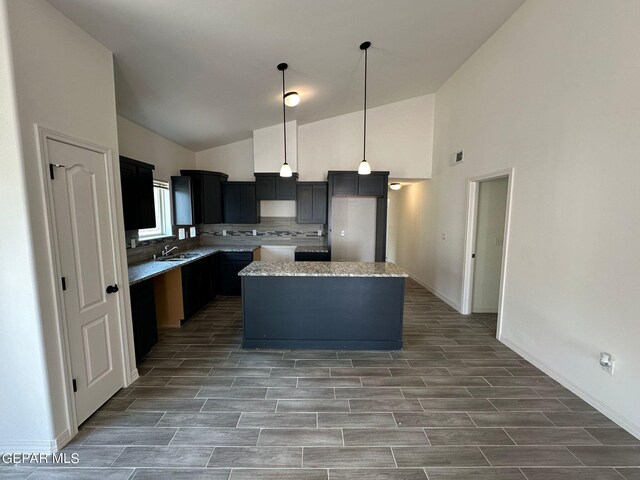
285, 169
364, 168
291, 99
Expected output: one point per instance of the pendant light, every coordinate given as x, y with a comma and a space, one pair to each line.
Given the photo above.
291, 99
365, 168
285, 169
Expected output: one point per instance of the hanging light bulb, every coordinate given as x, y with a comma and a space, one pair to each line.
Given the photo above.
285, 169
291, 99
364, 168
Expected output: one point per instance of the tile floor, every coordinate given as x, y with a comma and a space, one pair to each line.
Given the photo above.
454, 404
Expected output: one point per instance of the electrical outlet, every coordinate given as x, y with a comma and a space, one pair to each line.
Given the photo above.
133, 243
255, 232
181, 234
607, 362
192, 232
224, 233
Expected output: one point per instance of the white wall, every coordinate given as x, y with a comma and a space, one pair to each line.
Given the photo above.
268, 148
399, 139
487, 266
553, 94
23, 420
234, 159
139, 143
64, 82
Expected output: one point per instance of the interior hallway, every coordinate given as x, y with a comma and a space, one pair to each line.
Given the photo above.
454, 404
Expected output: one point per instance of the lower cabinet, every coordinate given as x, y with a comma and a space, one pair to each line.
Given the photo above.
312, 257
230, 264
143, 313
198, 279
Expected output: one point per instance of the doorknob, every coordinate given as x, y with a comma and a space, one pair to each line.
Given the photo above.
112, 288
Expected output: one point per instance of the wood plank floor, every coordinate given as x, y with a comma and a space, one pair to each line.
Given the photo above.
454, 404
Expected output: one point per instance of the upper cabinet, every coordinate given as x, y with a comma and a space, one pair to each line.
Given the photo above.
271, 186
240, 202
137, 194
311, 202
352, 184
197, 197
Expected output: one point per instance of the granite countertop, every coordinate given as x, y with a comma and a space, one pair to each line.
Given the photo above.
322, 269
152, 268
311, 249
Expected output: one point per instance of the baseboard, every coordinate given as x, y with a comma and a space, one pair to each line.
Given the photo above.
34, 446
442, 297
64, 438
614, 416
134, 375
485, 310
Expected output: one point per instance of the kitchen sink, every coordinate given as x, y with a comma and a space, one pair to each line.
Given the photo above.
178, 257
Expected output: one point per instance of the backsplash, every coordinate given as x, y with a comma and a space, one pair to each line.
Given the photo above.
271, 231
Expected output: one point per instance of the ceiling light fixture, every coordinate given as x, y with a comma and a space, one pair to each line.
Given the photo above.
395, 186
365, 168
291, 99
285, 169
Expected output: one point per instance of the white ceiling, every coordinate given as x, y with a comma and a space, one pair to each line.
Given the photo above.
203, 72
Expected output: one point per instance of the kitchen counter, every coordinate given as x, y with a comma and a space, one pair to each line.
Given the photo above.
152, 268
311, 249
322, 305
322, 269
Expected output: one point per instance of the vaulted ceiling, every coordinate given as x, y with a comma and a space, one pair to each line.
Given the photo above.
203, 72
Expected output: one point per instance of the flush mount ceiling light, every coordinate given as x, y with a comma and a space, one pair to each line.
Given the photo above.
285, 169
395, 186
365, 168
291, 99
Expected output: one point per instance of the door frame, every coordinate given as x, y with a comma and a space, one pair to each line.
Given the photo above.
129, 373
470, 240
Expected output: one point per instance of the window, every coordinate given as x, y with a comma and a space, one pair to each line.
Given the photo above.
163, 213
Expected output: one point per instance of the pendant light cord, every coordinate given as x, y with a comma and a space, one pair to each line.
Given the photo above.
364, 146
284, 120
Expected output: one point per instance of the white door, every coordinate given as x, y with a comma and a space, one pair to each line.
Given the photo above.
491, 214
353, 229
85, 231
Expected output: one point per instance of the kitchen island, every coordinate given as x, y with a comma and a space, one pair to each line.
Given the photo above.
323, 305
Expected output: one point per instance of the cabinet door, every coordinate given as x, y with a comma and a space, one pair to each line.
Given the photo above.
372, 185
345, 183
304, 204
146, 202
249, 204
128, 179
182, 201
231, 198
211, 199
319, 203
266, 187
143, 316
285, 188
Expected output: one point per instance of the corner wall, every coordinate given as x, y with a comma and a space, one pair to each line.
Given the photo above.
553, 93
139, 143
64, 82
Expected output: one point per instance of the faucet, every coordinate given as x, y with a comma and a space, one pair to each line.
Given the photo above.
166, 250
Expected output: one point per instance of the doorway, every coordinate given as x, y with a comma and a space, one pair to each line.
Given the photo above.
86, 256
486, 243
487, 255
